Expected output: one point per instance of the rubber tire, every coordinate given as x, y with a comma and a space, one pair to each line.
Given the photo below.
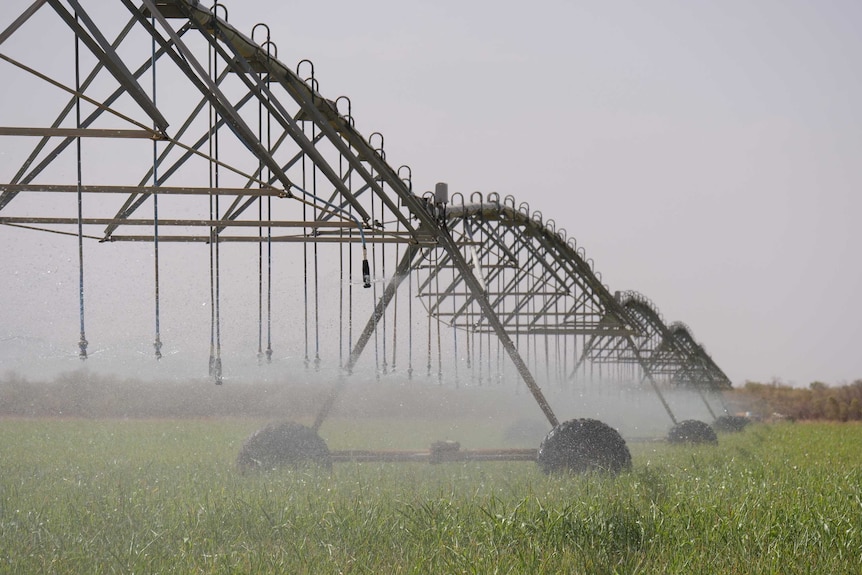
692, 431
283, 444
583, 445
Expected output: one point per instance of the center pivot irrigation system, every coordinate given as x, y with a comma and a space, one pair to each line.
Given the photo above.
159, 122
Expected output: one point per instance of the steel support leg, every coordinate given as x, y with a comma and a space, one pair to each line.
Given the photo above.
490, 315
401, 272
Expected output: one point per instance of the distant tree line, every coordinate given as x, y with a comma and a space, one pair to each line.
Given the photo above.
818, 401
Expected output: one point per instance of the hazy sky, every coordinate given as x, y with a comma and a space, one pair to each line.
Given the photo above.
707, 155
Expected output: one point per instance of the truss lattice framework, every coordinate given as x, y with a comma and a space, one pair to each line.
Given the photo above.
702, 370
162, 123
666, 352
224, 120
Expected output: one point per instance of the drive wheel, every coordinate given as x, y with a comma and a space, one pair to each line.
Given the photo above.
581, 445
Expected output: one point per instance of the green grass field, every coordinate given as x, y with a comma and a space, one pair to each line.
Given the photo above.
162, 496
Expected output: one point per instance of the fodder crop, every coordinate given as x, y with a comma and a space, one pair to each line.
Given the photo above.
165, 496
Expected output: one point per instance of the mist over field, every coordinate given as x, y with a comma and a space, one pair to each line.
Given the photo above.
298, 395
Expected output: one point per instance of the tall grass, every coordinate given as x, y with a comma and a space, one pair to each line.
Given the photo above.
163, 497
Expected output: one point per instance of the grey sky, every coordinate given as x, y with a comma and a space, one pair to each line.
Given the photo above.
707, 155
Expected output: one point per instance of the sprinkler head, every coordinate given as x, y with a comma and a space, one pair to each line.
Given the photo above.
366, 274
217, 371
82, 347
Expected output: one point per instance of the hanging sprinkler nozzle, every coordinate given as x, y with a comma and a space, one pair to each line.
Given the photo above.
82, 347
217, 371
366, 269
